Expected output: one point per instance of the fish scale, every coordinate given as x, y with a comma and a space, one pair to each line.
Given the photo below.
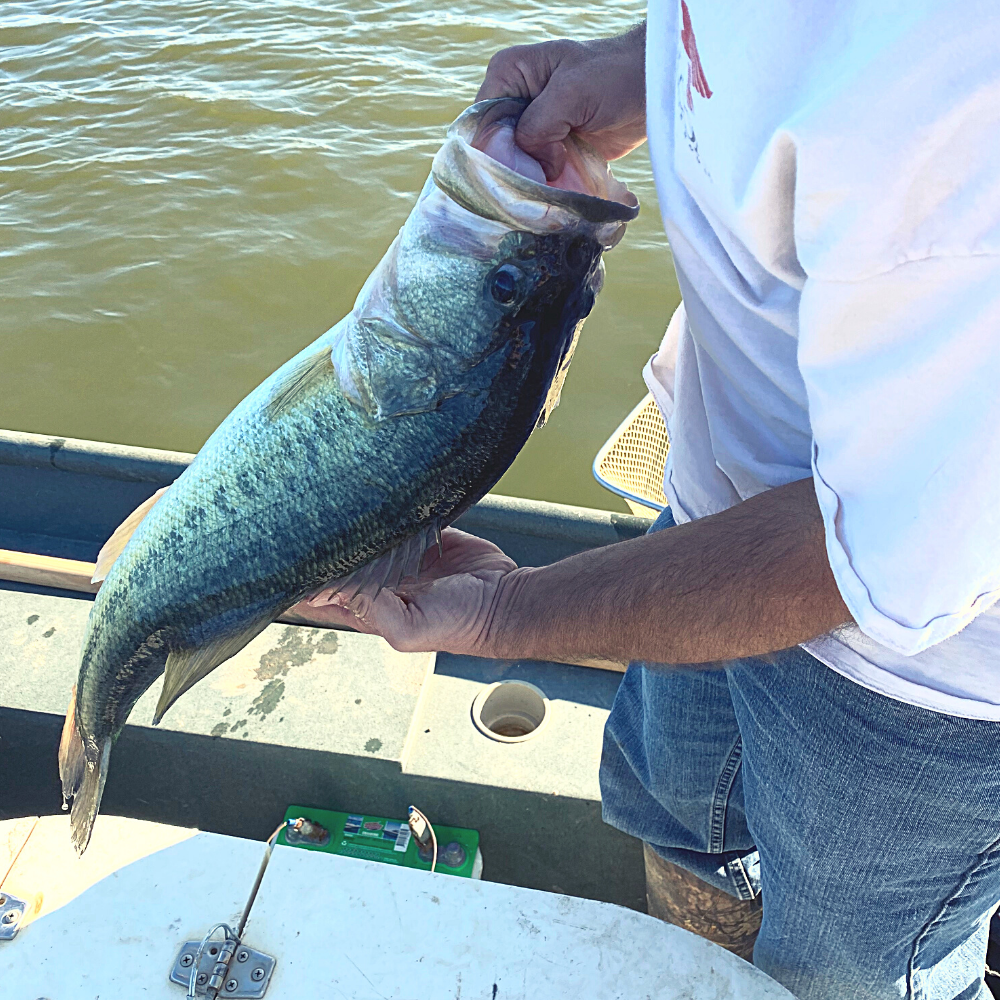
338, 471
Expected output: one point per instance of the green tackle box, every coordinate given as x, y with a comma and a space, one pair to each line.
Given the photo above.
375, 838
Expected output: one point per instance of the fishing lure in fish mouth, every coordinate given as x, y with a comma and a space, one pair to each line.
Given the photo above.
335, 475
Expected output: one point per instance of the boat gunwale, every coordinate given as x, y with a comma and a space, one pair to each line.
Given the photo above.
582, 526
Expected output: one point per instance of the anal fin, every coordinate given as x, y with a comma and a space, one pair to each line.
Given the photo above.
387, 571
113, 547
185, 667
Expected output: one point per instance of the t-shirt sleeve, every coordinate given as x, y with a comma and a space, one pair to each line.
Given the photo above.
902, 374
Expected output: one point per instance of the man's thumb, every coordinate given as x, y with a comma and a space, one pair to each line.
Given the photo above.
541, 132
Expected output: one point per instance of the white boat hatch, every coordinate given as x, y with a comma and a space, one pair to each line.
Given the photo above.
11, 911
306, 922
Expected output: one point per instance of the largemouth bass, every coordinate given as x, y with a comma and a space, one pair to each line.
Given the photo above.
345, 463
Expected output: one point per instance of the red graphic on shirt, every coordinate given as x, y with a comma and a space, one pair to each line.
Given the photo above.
696, 74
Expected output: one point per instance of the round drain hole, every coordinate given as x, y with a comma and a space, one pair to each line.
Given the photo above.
510, 711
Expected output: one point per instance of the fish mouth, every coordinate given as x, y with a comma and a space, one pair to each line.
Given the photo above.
464, 168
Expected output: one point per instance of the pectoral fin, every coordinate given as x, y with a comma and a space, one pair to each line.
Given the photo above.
555, 389
112, 548
297, 380
185, 667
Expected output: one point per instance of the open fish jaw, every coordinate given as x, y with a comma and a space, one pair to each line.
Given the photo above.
491, 190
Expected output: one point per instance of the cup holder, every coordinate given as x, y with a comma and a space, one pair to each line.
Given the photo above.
510, 711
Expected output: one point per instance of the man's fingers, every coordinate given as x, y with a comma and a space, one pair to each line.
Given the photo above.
520, 71
461, 553
499, 84
524, 71
455, 542
401, 623
325, 615
542, 130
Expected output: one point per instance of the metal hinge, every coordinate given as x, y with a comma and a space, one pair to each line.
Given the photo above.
11, 913
227, 969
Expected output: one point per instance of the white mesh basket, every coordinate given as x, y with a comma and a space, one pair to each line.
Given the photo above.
631, 461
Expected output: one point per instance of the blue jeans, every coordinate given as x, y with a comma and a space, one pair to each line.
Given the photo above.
872, 826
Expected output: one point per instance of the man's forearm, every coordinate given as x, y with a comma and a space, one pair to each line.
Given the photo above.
745, 582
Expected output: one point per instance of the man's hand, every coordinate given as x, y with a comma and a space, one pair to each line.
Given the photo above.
449, 609
750, 580
595, 88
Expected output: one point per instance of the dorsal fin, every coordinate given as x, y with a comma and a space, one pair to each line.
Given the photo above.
297, 381
112, 548
185, 667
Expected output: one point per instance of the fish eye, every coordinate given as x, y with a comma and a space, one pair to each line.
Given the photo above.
505, 283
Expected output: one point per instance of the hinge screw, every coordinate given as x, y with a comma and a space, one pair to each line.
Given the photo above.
187, 961
242, 955
257, 975
202, 978
10, 916
232, 985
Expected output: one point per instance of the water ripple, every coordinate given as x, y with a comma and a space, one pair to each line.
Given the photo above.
190, 191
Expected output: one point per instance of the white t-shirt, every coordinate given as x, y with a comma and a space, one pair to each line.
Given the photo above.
829, 175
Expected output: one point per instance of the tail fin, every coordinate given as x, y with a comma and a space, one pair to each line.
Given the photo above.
82, 779
72, 760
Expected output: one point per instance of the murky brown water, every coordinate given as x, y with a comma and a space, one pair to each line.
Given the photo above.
191, 191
